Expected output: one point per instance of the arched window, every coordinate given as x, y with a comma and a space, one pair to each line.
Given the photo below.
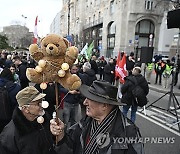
144, 29
111, 39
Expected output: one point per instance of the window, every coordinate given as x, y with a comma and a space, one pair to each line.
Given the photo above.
112, 29
111, 39
112, 7
148, 4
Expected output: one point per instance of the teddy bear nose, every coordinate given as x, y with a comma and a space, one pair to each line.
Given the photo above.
51, 48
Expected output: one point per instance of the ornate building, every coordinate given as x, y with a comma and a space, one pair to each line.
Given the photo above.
114, 25
18, 36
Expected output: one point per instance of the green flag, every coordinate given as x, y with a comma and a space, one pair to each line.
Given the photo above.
89, 50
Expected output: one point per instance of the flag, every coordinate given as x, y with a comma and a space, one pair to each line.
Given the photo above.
89, 50
120, 69
83, 51
35, 31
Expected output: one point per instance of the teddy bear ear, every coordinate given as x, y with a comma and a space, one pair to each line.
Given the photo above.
66, 42
42, 39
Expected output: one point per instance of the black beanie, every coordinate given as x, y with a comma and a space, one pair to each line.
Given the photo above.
6, 73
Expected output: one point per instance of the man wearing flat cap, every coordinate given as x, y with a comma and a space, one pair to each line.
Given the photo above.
24, 134
103, 131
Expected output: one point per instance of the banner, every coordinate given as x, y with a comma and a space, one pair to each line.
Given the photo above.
89, 50
35, 31
120, 70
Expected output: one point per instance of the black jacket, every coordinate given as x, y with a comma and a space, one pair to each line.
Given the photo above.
88, 77
108, 76
74, 140
126, 89
21, 136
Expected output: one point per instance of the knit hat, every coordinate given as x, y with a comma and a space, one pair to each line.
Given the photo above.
28, 95
6, 73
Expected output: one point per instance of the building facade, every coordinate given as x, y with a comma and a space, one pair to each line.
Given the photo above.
18, 36
55, 25
114, 25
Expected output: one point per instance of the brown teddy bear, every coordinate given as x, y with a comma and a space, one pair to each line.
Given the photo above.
54, 59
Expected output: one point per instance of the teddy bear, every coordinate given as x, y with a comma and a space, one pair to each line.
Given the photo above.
54, 58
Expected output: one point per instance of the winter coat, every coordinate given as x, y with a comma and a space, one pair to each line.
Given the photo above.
88, 77
94, 66
22, 75
74, 140
21, 136
13, 89
126, 89
108, 76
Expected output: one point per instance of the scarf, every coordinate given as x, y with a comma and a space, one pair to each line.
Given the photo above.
97, 130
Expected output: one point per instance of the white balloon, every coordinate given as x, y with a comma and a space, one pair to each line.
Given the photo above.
43, 85
45, 104
65, 66
38, 69
61, 73
40, 119
42, 63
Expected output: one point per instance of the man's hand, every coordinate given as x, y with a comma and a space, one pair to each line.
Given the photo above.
57, 129
74, 92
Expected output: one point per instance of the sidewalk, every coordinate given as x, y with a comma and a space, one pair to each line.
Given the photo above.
159, 88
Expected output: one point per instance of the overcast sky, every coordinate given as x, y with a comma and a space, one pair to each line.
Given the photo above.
11, 11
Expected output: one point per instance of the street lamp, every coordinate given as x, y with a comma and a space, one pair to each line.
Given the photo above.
68, 16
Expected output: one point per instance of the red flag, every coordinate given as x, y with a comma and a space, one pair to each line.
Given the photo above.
35, 31
121, 71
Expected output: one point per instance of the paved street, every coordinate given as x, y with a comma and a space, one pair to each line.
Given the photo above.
155, 122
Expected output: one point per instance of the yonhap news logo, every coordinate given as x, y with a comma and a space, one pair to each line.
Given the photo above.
104, 140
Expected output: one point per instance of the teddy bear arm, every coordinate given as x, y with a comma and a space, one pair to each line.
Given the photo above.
37, 55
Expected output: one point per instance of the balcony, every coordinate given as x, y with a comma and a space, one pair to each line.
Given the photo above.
94, 23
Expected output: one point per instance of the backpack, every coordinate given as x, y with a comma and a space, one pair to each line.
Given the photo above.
139, 94
5, 109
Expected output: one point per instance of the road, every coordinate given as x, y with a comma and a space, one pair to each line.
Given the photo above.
156, 124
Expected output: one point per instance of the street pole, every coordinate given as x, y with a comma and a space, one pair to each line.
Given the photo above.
68, 17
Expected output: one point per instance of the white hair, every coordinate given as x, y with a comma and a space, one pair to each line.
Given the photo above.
86, 66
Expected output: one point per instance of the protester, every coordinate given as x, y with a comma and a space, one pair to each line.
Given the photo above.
177, 71
104, 121
101, 63
126, 90
88, 75
15, 75
71, 102
8, 102
23, 134
130, 62
94, 64
21, 71
166, 74
159, 68
109, 71
149, 70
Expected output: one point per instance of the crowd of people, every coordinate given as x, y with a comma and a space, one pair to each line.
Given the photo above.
97, 98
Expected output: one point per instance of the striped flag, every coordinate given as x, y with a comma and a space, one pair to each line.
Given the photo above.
120, 69
89, 50
35, 31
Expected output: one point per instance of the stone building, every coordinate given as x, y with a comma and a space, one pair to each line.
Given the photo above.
114, 25
18, 36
